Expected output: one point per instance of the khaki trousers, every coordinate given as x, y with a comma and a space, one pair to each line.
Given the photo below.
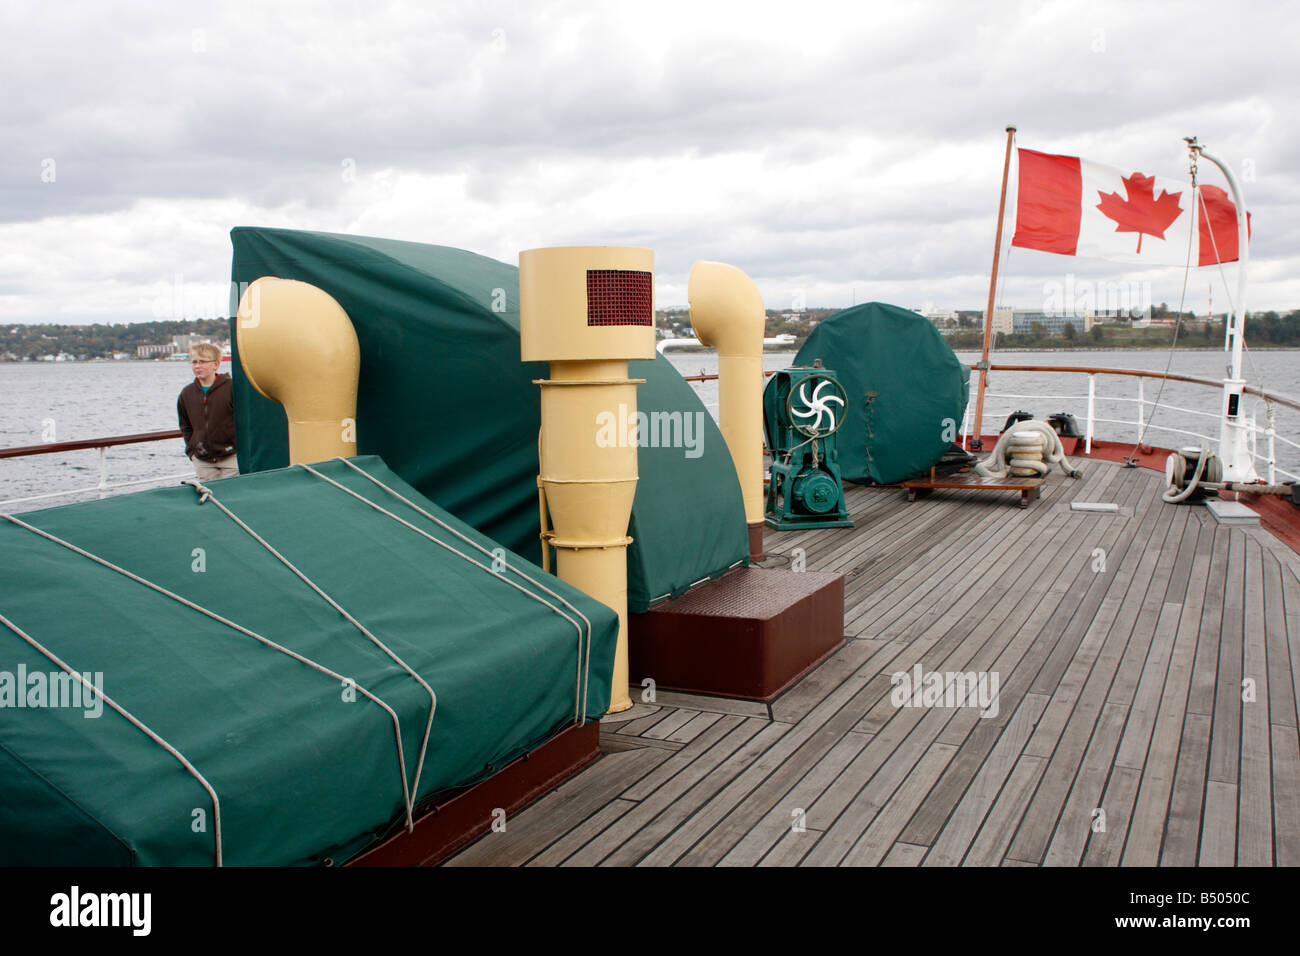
208, 470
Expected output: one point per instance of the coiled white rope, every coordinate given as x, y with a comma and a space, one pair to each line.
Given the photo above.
1028, 447
1173, 496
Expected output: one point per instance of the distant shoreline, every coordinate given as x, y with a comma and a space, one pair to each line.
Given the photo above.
773, 351
97, 361
1133, 348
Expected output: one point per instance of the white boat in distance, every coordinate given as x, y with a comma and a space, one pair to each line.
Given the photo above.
783, 341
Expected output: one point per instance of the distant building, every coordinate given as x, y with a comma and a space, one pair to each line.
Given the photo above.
942, 318
183, 343
1021, 321
154, 351
1053, 323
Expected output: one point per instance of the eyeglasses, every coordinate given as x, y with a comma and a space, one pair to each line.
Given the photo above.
203, 361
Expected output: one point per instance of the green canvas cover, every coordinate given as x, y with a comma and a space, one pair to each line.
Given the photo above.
919, 385
688, 519
446, 401
305, 767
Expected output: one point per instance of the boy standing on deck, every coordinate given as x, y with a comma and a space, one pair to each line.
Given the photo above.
206, 410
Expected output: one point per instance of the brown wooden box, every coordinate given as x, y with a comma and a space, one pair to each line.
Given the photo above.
750, 634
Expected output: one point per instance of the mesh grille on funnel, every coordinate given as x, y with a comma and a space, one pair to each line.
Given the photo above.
619, 297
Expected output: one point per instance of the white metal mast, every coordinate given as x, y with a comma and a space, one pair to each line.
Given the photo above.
1234, 444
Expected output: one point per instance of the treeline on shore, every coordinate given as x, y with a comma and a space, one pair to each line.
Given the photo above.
32, 342
1262, 329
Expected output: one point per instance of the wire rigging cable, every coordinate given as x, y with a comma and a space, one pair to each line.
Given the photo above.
1131, 459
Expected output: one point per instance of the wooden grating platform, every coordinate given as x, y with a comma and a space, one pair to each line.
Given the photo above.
1120, 641
969, 481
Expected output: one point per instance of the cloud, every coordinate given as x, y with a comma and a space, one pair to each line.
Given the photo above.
833, 148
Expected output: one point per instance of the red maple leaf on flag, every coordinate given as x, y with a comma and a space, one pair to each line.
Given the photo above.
1142, 212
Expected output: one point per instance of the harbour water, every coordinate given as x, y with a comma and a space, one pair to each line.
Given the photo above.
66, 401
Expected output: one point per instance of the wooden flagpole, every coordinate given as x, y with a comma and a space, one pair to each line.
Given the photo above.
976, 444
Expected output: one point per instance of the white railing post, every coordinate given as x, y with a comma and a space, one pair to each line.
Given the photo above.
103, 470
1141, 407
1092, 405
1272, 447
965, 418
1254, 440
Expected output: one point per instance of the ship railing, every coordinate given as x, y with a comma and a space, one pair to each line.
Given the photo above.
1141, 426
103, 487
1265, 434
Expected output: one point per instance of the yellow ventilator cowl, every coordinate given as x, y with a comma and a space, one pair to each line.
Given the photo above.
587, 310
586, 303
727, 314
297, 347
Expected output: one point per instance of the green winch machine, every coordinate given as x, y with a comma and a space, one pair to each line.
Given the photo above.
803, 408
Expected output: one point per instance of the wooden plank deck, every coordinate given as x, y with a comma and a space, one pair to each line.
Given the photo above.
1148, 669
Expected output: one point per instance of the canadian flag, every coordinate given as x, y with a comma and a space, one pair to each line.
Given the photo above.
1073, 207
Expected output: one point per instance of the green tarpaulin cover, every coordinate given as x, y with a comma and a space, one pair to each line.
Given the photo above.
446, 401
305, 766
907, 390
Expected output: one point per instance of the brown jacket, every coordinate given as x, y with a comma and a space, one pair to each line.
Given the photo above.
208, 422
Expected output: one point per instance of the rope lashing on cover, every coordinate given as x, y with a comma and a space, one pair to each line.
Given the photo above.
397, 727
135, 722
584, 665
580, 688
1028, 447
205, 495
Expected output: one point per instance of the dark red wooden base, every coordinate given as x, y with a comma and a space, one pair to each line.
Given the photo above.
755, 542
460, 818
750, 634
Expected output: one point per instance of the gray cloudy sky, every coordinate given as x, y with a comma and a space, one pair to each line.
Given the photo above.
835, 152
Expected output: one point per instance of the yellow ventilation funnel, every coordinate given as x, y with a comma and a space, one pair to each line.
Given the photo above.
727, 314
587, 310
297, 347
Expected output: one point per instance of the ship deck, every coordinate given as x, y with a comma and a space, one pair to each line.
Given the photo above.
1148, 665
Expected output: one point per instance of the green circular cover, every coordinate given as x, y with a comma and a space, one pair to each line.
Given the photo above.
919, 386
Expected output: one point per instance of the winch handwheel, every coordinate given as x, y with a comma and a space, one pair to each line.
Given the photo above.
810, 407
